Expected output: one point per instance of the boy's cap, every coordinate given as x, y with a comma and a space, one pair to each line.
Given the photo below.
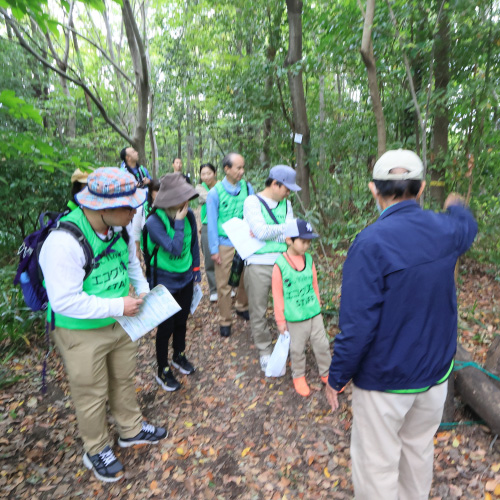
110, 187
301, 229
398, 158
286, 175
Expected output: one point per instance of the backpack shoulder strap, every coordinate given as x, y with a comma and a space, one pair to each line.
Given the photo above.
77, 233
269, 211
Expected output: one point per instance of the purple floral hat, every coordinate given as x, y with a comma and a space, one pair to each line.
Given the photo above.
110, 187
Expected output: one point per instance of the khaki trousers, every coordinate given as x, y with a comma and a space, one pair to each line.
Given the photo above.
392, 447
258, 280
313, 330
222, 272
100, 365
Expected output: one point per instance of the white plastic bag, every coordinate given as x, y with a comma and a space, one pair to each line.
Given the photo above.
276, 367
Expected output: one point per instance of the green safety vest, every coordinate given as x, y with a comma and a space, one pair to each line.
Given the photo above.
72, 205
280, 213
109, 280
300, 299
203, 211
230, 205
165, 260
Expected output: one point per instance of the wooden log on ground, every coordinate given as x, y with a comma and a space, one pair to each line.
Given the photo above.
478, 391
492, 363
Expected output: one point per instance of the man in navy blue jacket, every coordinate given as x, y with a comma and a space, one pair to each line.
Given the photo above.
398, 321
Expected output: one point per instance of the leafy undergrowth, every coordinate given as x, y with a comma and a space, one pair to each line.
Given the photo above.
233, 433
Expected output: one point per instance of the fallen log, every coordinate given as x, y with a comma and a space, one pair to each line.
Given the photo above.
492, 363
478, 391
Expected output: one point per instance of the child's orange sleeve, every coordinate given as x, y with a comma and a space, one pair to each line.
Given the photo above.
279, 302
315, 283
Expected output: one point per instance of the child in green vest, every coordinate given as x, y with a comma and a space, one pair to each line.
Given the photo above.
297, 305
173, 259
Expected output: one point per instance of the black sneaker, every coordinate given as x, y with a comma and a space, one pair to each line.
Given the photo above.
149, 435
105, 466
182, 364
244, 314
168, 381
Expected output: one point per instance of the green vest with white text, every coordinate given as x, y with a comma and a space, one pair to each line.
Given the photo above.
280, 213
230, 205
109, 280
165, 260
300, 299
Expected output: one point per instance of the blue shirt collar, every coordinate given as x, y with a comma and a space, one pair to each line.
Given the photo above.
398, 206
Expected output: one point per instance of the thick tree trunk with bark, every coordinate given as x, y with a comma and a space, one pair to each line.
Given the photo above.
441, 120
300, 124
368, 57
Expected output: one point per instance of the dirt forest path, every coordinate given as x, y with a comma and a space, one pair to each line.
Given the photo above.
233, 434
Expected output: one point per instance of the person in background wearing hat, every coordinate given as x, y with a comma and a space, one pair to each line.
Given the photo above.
99, 356
78, 182
173, 256
208, 176
225, 201
268, 214
398, 322
297, 305
130, 159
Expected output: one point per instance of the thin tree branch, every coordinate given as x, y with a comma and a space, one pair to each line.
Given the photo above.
78, 82
283, 107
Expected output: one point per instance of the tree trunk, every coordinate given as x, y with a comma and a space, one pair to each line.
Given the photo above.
140, 64
189, 139
179, 138
478, 391
152, 139
371, 70
200, 135
300, 125
493, 359
441, 120
322, 153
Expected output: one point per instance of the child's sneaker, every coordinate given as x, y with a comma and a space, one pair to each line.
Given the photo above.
149, 434
301, 386
182, 364
167, 380
105, 466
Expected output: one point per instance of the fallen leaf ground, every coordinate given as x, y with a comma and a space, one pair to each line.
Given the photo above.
233, 434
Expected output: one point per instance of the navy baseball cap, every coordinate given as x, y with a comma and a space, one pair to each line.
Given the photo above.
301, 229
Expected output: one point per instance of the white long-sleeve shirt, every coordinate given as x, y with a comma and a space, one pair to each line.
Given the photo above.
252, 213
62, 261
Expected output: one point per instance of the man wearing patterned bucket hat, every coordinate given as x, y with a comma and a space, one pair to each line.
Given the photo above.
98, 355
398, 321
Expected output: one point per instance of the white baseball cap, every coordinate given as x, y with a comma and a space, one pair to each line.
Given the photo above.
398, 158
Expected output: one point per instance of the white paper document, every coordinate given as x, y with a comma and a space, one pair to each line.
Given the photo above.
157, 307
238, 231
197, 296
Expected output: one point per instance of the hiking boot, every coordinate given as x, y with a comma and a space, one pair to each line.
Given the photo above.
182, 364
105, 466
167, 380
214, 297
225, 331
149, 434
243, 314
301, 386
263, 362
